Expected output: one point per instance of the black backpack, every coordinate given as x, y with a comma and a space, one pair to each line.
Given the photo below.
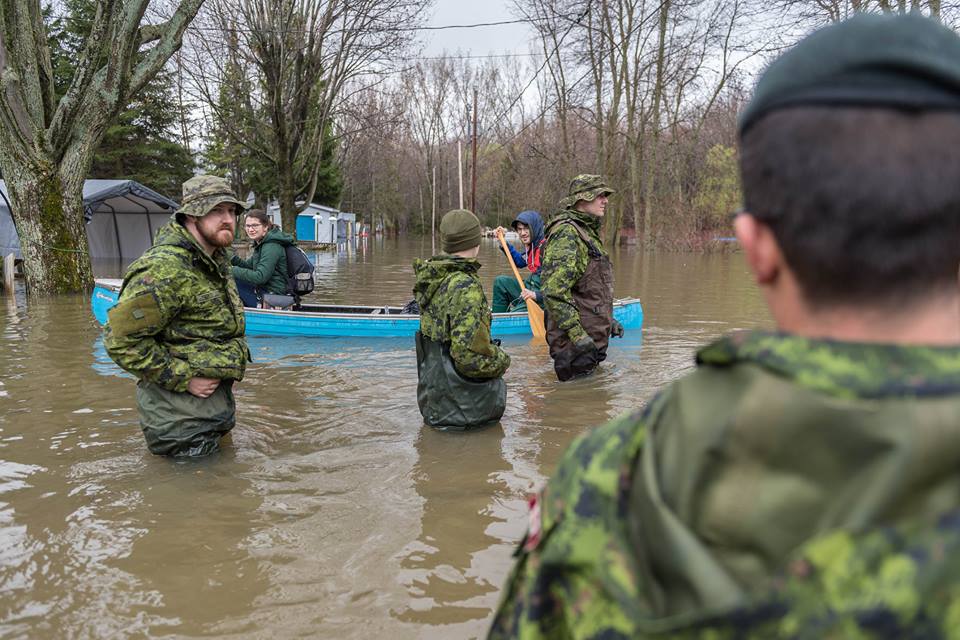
299, 271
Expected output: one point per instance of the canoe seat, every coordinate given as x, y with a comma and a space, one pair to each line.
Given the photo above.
274, 301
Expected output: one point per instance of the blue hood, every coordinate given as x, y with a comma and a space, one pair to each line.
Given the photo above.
533, 220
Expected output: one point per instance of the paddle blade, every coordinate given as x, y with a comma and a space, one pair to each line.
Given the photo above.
535, 316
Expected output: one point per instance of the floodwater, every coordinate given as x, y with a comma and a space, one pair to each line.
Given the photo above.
333, 512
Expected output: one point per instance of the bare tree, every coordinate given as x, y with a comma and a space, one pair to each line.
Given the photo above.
47, 145
300, 55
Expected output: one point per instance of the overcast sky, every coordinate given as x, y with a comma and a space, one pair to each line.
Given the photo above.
512, 38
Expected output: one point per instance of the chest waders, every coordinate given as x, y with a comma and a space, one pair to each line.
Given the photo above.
593, 299
449, 400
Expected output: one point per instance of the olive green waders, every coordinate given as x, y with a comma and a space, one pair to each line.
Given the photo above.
181, 424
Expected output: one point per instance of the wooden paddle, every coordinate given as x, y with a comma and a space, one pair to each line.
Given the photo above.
534, 312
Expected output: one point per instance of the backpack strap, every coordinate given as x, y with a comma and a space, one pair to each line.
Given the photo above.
592, 250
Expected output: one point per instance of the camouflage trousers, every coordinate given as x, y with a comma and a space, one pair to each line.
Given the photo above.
181, 424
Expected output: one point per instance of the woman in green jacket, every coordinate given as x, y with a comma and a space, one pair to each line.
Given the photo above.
265, 271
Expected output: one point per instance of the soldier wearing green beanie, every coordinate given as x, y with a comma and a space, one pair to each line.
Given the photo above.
459, 368
178, 325
801, 483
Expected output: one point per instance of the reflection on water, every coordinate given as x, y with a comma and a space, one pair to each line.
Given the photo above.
334, 512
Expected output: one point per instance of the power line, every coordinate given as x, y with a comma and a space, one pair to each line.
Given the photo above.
469, 26
471, 57
475, 25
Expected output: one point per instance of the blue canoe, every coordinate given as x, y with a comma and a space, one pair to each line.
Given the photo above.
359, 321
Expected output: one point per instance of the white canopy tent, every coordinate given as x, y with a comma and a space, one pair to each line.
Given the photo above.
122, 218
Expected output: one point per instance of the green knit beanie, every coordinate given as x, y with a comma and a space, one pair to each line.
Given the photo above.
459, 231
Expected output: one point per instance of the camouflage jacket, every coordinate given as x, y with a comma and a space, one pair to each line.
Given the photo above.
179, 315
564, 263
453, 309
788, 488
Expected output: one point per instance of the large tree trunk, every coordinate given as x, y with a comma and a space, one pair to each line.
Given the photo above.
48, 213
47, 145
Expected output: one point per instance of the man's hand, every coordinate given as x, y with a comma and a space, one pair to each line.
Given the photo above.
202, 387
526, 294
616, 329
500, 231
585, 344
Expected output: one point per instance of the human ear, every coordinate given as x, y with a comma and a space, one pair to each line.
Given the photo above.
760, 248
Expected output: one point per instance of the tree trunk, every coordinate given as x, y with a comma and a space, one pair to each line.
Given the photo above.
287, 199
48, 214
649, 186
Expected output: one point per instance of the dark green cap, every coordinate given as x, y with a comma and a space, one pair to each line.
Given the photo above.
459, 231
897, 61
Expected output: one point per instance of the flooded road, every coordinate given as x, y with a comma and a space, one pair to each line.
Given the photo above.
334, 513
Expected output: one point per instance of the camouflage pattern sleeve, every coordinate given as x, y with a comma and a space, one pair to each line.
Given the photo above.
147, 304
570, 579
564, 263
474, 354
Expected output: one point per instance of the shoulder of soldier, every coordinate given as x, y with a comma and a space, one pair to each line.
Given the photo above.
461, 283
597, 458
158, 266
564, 237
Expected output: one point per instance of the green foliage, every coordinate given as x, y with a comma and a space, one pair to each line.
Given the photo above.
143, 144
329, 178
719, 193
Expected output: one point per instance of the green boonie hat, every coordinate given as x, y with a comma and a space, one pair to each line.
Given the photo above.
904, 62
459, 231
203, 193
585, 187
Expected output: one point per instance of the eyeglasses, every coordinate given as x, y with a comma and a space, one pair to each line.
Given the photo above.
252, 226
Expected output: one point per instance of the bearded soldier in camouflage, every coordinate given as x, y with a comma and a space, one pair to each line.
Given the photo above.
578, 281
178, 325
459, 367
804, 483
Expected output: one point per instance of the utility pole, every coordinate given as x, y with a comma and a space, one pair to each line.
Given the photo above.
433, 211
460, 171
473, 188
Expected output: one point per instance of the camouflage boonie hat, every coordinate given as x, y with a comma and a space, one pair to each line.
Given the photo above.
585, 187
203, 193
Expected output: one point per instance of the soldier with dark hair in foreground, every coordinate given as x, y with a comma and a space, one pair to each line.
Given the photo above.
803, 483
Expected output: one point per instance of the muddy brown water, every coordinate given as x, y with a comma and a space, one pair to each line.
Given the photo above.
332, 512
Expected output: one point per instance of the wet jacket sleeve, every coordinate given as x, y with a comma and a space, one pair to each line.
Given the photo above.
474, 354
563, 265
132, 336
259, 273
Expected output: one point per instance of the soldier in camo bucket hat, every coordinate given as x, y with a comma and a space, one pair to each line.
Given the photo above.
585, 187
203, 193
178, 326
